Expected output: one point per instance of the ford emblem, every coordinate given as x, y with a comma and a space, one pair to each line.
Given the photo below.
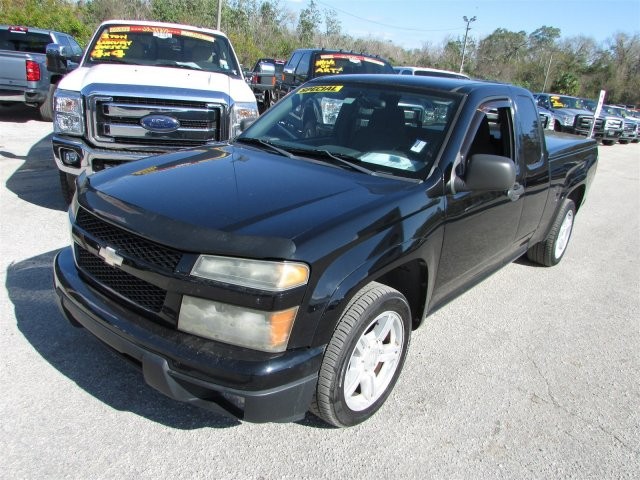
160, 123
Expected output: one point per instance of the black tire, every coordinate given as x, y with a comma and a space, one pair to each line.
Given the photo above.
623, 142
268, 101
375, 323
608, 142
550, 251
67, 185
46, 109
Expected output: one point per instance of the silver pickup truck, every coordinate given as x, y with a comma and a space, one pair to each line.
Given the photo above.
23, 72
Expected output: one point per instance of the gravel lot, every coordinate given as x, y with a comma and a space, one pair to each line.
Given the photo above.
532, 374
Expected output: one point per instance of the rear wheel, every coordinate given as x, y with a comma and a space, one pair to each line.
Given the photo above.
67, 185
364, 357
46, 109
550, 251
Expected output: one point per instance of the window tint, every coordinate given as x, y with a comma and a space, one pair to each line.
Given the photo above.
529, 123
303, 66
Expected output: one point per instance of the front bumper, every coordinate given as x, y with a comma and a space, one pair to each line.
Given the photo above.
237, 382
90, 159
607, 134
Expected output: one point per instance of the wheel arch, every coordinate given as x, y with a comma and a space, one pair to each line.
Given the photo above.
411, 278
577, 195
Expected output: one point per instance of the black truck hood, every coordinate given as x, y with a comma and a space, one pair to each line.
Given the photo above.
237, 200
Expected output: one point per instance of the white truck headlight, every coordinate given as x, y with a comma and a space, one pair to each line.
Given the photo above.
330, 108
68, 111
242, 113
567, 120
260, 274
245, 327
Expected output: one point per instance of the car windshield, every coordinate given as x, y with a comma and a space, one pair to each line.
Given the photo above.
167, 47
335, 63
359, 126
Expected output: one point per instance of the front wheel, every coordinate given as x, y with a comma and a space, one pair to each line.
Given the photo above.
46, 109
364, 357
550, 251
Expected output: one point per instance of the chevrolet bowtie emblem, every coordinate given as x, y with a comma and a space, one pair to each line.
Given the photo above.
110, 256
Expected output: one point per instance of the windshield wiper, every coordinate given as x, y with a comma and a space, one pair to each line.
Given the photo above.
265, 143
177, 65
342, 159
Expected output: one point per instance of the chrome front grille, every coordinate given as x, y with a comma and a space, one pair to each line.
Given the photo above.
116, 122
584, 122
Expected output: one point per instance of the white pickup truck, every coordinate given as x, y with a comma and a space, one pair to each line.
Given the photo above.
144, 88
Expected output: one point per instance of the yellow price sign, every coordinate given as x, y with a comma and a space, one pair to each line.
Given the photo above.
321, 89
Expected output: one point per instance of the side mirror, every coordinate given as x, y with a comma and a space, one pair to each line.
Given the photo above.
57, 58
487, 173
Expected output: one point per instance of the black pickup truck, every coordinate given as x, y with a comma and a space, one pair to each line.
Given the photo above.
284, 271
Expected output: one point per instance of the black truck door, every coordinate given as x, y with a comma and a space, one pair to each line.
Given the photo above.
480, 230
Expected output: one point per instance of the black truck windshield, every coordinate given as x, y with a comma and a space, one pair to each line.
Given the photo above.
392, 132
167, 47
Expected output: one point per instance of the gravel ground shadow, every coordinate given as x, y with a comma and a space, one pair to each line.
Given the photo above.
83, 359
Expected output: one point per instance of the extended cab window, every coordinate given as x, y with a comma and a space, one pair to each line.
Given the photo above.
491, 133
530, 149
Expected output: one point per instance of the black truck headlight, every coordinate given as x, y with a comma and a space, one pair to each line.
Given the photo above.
260, 274
261, 330
68, 110
245, 327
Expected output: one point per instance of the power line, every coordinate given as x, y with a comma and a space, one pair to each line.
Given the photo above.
386, 24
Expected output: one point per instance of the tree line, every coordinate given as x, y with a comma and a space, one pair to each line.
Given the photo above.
541, 60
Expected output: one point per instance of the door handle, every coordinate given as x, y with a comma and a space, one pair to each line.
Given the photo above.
515, 192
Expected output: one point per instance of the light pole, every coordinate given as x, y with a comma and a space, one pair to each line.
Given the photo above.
464, 44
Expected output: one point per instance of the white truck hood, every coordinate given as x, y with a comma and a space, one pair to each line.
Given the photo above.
174, 78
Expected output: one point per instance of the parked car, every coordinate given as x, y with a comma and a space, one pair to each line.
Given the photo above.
262, 80
547, 120
428, 72
284, 271
144, 88
609, 125
305, 64
570, 113
576, 115
631, 126
24, 77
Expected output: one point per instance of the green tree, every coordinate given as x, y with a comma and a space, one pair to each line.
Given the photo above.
566, 83
308, 24
60, 15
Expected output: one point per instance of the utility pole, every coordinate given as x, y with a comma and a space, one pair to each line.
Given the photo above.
464, 44
219, 14
546, 75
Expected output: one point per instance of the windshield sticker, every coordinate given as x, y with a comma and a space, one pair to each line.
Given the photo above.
321, 89
418, 146
160, 32
111, 45
327, 65
351, 57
